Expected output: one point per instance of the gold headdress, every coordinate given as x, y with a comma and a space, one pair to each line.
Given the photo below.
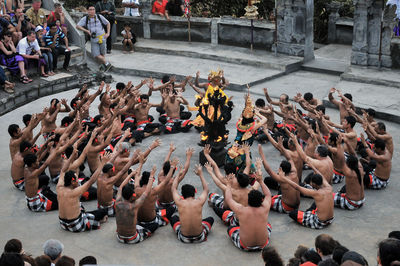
248, 111
215, 74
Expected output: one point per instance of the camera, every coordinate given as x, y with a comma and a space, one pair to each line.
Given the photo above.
93, 35
27, 18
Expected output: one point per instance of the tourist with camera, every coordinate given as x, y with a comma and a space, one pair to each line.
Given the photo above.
22, 24
29, 49
97, 29
107, 9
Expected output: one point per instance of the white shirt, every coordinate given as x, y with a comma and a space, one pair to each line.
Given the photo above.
26, 48
133, 12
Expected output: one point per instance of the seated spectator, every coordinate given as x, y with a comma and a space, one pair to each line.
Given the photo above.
53, 248
354, 257
5, 26
43, 260
13, 246
131, 8
325, 244
58, 15
271, 257
53, 39
388, 251
159, 7
174, 8
65, 261
10, 5
37, 15
394, 234
46, 51
9, 58
11, 259
29, 49
7, 86
311, 256
328, 262
22, 25
338, 253
88, 260
129, 38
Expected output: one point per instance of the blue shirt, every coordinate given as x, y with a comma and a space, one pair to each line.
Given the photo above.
49, 39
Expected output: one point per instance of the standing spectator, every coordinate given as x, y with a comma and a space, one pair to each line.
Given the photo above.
36, 14
131, 8
159, 7
53, 39
22, 25
9, 58
129, 38
58, 14
29, 49
46, 51
174, 8
53, 248
107, 9
91, 26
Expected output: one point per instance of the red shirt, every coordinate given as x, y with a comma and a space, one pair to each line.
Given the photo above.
159, 8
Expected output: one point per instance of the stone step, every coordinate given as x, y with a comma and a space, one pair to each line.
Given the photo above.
157, 65
326, 66
373, 75
221, 53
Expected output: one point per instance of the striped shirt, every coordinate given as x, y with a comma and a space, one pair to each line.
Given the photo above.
49, 38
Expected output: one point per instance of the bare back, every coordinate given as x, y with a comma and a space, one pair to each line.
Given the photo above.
190, 213
17, 167
147, 211
253, 225
69, 206
125, 217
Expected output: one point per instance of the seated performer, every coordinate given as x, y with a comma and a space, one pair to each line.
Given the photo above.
289, 198
320, 214
254, 230
72, 216
189, 225
351, 196
126, 209
378, 178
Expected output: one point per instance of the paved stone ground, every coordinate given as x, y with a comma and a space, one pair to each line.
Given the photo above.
359, 230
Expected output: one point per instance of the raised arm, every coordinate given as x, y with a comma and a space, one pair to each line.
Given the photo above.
332, 99
228, 195
269, 100
139, 202
207, 150
218, 182
199, 172
246, 149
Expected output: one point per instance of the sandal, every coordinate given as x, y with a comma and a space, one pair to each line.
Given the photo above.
25, 80
44, 75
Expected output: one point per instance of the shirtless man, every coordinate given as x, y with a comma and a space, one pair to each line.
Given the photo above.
27, 119
338, 164
148, 213
254, 230
44, 200
351, 196
289, 199
379, 131
378, 178
315, 217
126, 208
17, 135
322, 161
283, 100
17, 168
346, 100
106, 181
49, 121
349, 134
105, 102
189, 225
172, 120
71, 216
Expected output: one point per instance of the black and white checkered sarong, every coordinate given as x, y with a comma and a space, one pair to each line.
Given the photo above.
84, 222
375, 182
141, 234
341, 201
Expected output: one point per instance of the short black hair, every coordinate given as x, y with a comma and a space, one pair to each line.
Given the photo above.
73, 102
30, 159
243, 179
90, 5
371, 112
144, 97
388, 251
322, 151
66, 121
30, 32
394, 234
348, 96
333, 136
380, 144
325, 243
24, 145
351, 120
97, 119
271, 256
26, 118
286, 97
308, 96
316, 179
107, 167
256, 198
188, 191
230, 168
88, 260
328, 262
102, 95
381, 126
127, 25
13, 246
120, 86
11, 259
13, 129
338, 253
320, 108
286, 166
166, 167
65, 261
127, 191
145, 178
51, 24
165, 79
260, 102
311, 256
54, 100
68, 178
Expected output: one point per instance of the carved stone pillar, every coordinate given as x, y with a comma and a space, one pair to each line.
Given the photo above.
333, 9
295, 36
146, 11
359, 55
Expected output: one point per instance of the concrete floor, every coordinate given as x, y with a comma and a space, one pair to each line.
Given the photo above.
359, 230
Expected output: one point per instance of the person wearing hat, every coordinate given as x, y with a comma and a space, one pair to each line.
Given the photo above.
53, 248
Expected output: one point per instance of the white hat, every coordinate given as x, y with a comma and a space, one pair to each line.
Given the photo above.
38, 28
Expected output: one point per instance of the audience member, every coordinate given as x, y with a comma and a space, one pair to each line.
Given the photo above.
131, 8
129, 38
271, 256
37, 15
58, 15
388, 251
22, 25
46, 51
53, 248
65, 261
53, 38
107, 9
159, 7
43, 260
88, 260
174, 8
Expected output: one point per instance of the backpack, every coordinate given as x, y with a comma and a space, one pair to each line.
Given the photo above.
87, 37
